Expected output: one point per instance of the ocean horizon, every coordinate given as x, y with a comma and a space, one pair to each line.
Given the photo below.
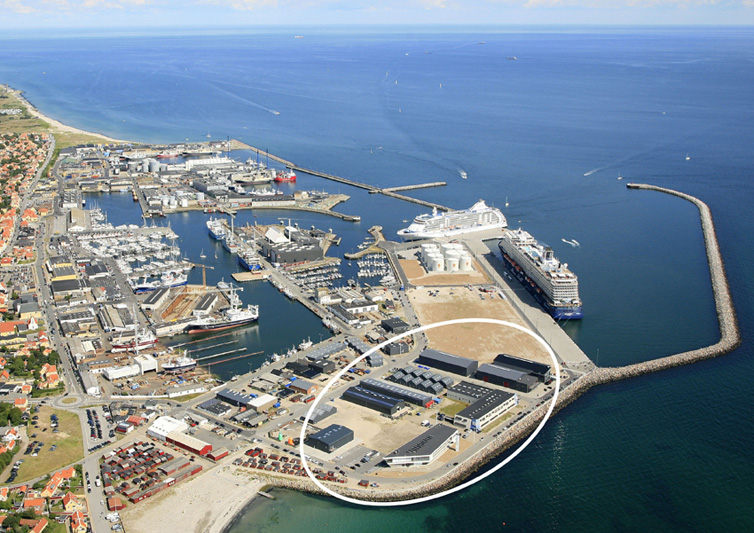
550, 132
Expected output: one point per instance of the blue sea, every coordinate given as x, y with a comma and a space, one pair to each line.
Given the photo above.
550, 132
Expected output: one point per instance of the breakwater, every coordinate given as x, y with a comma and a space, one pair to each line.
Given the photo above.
730, 339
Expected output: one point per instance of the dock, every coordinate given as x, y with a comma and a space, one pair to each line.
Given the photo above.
375, 248
377, 190
254, 275
412, 187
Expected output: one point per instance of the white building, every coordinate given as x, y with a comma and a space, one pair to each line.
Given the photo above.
121, 372
165, 425
90, 384
425, 448
146, 363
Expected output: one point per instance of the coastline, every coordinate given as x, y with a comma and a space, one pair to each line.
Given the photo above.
55, 125
220, 519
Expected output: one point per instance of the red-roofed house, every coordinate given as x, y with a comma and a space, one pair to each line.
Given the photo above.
71, 503
21, 403
35, 504
78, 522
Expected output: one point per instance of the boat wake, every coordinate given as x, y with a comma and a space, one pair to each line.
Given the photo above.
573, 242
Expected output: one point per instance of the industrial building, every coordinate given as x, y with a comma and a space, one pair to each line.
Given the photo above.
322, 412
512, 379
262, 403
234, 398
395, 325
331, 438
188, 443
467, 392
204, 305
301, 385
425, 448
485, 410
448, 362
165, 425
393, 391
396, 348
155, 299
540, 371
377, 401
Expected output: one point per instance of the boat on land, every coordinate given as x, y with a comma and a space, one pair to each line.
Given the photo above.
139, 341
179, 364
234, 316
478, 217
551, 283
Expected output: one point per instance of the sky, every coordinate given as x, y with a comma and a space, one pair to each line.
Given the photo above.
19, 15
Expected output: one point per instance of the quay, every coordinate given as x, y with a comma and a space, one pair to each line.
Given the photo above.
252, 275
412, 187
377, 190
375, 248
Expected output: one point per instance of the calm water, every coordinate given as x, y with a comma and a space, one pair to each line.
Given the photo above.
551, 132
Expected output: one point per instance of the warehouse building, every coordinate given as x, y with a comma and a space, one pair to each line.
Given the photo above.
376, 401
425, 448
396, 348
394, 391
395, 326
359, 345
322, 412
331, 438
485, 410
511, 379
215, 407
448, 362
540, 371
233, 397
165, 425
204, 305
301, 385
189, 443
156, 299
262, 403
467, 392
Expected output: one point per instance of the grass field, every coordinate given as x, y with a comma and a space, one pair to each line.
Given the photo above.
451, 407
25, 122
69, 442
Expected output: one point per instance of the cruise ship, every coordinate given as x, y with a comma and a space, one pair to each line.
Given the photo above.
232, 317
216, 229
550, 282
478, 217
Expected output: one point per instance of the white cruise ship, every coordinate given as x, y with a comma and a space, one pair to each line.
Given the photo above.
551, 283
478, 217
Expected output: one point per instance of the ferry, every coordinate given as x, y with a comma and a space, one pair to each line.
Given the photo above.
478, 217
551, 283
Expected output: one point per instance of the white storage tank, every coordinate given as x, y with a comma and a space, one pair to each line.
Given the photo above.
464, 263
154, 165
172, 202
447, 247
451, 264
145, 165
436, 263
165, 201
199, 196
183, 202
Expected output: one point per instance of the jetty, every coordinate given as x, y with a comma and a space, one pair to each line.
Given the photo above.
374, 248
730, 339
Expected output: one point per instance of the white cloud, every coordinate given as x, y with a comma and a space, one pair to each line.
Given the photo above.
17, 7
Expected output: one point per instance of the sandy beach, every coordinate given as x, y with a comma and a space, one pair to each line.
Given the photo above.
207, 503
57, 126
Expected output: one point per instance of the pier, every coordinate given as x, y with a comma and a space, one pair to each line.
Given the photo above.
412, 187
377, 190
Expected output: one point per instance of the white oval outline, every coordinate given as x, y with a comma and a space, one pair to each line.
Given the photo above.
457, 487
